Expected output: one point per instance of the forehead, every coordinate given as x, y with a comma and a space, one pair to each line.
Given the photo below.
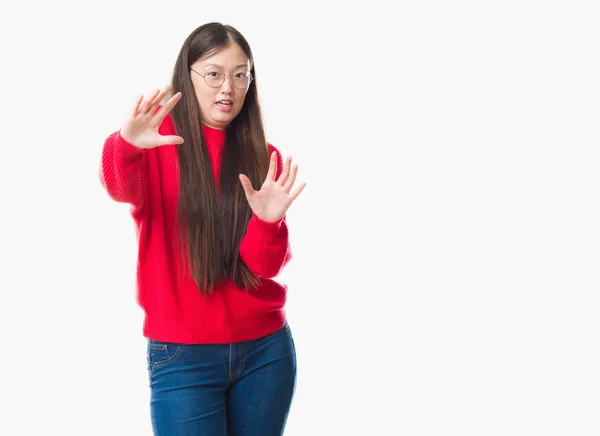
231, 56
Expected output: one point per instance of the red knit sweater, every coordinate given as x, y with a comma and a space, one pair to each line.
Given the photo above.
175, 310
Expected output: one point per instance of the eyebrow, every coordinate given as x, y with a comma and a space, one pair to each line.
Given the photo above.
221, 66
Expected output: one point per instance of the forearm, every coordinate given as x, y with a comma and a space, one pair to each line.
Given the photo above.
122, 171
265, 248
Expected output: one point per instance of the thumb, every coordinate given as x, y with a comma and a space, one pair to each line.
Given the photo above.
168, 140
247, 185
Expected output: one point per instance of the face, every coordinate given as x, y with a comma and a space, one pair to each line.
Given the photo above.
221, 104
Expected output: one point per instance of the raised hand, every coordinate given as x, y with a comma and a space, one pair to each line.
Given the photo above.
273, 199
141, 125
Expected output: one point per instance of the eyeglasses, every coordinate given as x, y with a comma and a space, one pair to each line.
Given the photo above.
215, 77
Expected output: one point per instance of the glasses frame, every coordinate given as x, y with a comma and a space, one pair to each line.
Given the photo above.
250, 78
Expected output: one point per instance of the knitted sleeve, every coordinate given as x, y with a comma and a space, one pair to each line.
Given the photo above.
265, 248
122, 171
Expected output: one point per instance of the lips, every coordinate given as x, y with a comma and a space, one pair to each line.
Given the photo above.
225, 103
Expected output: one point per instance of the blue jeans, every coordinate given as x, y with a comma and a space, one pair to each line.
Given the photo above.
238, 389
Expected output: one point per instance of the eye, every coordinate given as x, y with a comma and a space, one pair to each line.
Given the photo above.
213, 74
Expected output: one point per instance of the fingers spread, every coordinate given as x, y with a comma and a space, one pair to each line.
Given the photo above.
158, 99
148, 102
297, 192
272, 167
290, 182
136, 106
286, 171
164, 110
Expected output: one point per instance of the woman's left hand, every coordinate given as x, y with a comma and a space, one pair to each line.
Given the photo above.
273, 200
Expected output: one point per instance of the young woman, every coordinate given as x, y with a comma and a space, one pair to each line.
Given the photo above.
209, 196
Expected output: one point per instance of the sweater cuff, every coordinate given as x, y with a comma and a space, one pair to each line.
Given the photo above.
267, 226
126, 151
266, 233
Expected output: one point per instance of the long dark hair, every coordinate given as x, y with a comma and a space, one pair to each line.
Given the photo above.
211, 229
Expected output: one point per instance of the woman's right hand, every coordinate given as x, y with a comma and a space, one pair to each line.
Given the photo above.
141, 125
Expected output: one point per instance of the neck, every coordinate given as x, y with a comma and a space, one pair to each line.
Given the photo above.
212, 135
222, 128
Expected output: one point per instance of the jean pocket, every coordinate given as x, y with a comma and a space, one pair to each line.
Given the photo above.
162, 353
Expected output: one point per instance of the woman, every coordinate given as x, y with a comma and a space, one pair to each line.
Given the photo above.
209, 196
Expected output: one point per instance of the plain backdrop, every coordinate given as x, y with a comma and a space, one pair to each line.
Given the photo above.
446, 247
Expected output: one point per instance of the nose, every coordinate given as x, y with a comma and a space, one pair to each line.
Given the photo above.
227, 85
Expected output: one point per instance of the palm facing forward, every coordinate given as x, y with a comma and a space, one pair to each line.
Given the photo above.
273, 199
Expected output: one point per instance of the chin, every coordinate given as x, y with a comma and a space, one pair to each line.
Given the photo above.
224, 118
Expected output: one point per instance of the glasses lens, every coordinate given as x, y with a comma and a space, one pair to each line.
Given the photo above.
241, 79
214, 77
